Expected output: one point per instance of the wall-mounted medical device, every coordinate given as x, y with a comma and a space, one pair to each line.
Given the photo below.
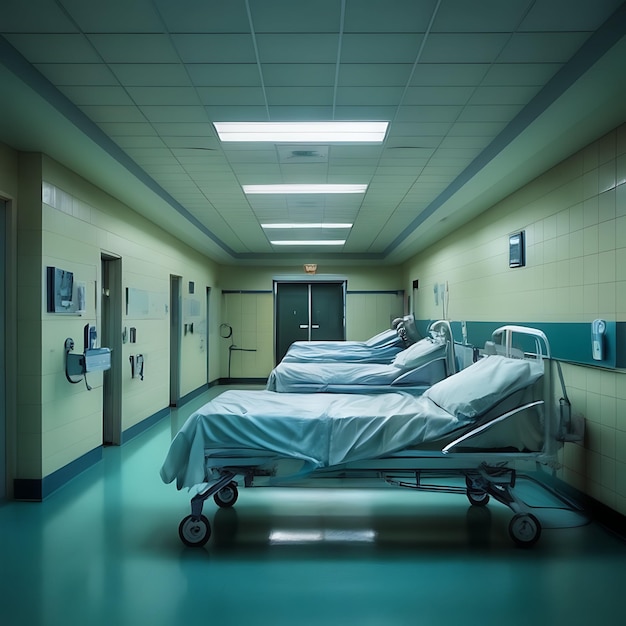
136, 365
93, 359
598, 333
517, 249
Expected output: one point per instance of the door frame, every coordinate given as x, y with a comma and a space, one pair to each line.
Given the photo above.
306, 279
176, 286
111, 337
3, 359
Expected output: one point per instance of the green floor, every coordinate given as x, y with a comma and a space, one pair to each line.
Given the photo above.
105, 550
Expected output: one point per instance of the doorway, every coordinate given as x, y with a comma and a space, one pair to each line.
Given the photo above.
308, 311
206, 332
3, 419
175, 338
111, 337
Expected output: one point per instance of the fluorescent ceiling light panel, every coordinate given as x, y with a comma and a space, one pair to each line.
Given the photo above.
272, 226
309, 242
303, 132
304, 188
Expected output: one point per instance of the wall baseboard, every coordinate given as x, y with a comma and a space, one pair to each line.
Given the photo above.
242, 381
38, 489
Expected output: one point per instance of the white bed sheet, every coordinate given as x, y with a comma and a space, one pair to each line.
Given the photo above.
343, 351
324, 430
358, 377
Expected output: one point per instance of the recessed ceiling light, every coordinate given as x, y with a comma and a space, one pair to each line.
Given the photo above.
305, 188
305, 132
309, 242
302, 225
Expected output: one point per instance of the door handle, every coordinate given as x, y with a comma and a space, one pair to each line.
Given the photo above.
303, 326
315, 325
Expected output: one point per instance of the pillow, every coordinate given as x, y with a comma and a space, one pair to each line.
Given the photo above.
479, 387
381, 339
418, 354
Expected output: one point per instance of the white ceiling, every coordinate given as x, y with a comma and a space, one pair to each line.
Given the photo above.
481, 96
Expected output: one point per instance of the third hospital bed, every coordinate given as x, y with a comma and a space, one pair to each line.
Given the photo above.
417, 367
477, 425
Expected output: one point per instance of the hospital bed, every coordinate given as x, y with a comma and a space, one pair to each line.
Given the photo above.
415, 368
480, 426
380, 348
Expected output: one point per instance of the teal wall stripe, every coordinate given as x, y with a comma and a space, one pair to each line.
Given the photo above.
569, 341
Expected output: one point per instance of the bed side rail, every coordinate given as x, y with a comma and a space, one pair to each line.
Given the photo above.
443, 330
474, 432
505, 334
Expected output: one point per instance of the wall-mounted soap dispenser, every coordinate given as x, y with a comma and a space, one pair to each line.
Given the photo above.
92, 359
598, 331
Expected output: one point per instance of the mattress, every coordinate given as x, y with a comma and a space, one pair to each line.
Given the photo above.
419, 370
324, 430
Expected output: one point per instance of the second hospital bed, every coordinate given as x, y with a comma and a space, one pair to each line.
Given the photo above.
380, 348
415, 368
478, 424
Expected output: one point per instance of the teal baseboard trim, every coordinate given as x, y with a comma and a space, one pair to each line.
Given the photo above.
193, 394
242, 381
137, 429
38, 489
569, 341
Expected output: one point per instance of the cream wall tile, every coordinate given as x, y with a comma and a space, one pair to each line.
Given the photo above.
575, 221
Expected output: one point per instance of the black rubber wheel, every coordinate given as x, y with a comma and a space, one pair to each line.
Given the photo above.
525, 530
194, 532
478, 498
226, 496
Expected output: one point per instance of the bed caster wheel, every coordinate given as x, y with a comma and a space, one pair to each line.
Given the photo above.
194, 532
478, 498
226, 496
525, 530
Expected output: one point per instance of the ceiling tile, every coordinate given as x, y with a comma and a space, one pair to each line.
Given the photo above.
298, 48
240, 96
77, 73
561, 15
151, 74
134, 48
366, 74
437, 95
176, 96
380, 48
503, 95
463, 47
224, 74
542, 47
34, 16
96, 95
449, 74
520, 73
376, 95
286, 16
215, 48
54, 48
363, 16
489, 113
174, 113
485, 16
104, 17
103, 113
204, 16
298, 74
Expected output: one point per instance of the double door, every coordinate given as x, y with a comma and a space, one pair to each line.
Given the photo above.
308, 311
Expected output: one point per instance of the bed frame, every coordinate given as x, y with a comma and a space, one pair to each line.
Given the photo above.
461, 465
